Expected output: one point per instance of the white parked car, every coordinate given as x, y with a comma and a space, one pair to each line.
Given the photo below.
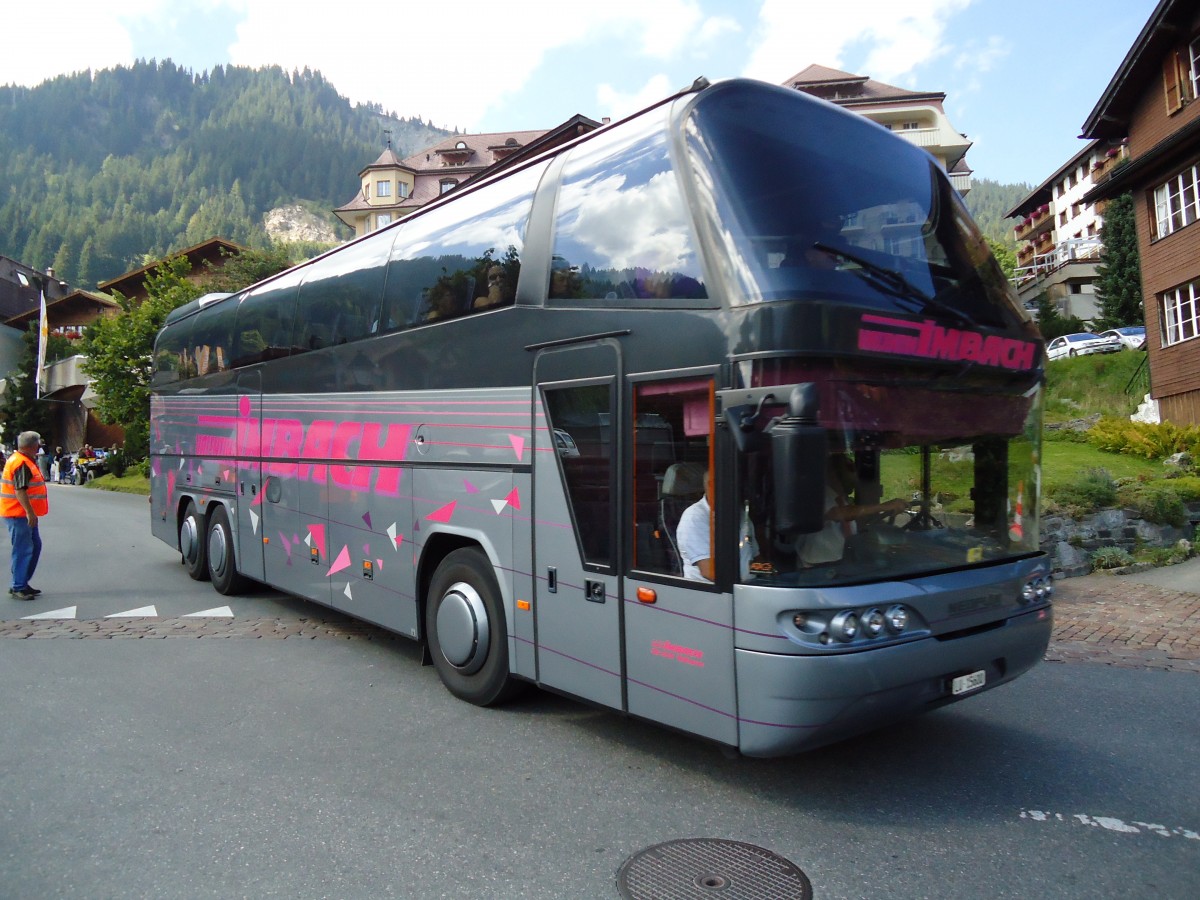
1081, 344
1130, 336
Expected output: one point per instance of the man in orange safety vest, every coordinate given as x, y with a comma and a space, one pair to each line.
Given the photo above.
23, 501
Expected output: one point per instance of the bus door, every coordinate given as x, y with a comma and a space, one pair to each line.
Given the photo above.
249, 476
678, 630
577, 508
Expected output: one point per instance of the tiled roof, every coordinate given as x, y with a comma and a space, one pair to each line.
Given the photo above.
862, 89
477, 144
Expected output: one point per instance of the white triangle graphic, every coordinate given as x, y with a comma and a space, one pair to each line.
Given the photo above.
308, 539
134, 613
67, 612
217, 612
499, 505
391, 533
253, 522
349, 596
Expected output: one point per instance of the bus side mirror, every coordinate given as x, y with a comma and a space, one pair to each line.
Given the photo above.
798, 451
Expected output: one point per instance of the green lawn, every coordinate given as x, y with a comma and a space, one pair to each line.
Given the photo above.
1063, 461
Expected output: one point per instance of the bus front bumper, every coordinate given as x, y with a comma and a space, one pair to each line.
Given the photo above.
787, 703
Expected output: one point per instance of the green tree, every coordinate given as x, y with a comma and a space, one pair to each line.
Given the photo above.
240, 270
1119, 276
1051, 323
120, 350
1005, 256
20, 409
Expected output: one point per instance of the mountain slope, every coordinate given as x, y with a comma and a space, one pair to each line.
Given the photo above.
102, 171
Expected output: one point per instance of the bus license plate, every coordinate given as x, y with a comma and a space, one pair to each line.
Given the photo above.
965, 683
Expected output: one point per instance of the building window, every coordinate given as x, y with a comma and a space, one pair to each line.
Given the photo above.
383, 219
402, 189
383, 189
1194, 67
1180, 313
1175, 202
446, 184
366, 190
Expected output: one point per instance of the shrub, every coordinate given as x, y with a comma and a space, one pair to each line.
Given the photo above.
1093, 490
1149, 440
1111, 558
1155, 502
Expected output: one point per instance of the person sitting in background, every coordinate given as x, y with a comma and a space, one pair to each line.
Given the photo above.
694, 536
497, 290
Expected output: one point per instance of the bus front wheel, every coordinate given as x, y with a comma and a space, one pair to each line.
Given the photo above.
192, 543
464, 625
222, 561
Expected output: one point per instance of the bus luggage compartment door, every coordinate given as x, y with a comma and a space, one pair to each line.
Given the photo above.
577, 506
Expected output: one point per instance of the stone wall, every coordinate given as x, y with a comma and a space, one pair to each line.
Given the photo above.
1071, 542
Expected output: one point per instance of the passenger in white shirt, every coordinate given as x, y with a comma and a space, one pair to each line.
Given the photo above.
694, 536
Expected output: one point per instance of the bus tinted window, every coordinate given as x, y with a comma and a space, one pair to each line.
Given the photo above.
463, 257
172, 354
622, 229
212, 338
340, 296
264, 324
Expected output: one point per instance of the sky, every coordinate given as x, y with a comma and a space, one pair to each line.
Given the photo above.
1019, 78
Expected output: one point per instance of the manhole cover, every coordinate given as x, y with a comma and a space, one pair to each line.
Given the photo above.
707, 867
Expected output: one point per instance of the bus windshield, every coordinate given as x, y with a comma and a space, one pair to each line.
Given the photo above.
862, 218
916, 481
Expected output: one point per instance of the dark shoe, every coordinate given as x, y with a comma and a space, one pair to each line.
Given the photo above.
22, 595
30, 589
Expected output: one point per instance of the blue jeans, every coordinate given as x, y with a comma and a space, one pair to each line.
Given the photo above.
26, 549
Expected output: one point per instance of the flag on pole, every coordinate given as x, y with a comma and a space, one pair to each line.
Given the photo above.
43, 338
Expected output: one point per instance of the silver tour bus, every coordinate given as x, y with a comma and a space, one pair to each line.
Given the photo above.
722, 416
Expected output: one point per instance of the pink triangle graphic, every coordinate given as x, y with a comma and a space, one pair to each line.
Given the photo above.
513, 499
399, 539
518, 444
469, 488
443, 514
342, 562
367, 518
318, 535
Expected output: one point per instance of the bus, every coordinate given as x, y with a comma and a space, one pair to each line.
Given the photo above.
721, 416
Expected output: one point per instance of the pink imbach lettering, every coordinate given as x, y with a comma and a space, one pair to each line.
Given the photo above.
349, 440
687, 655
928, 340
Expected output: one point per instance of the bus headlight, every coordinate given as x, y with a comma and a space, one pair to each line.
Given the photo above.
874, 622
844, 626
896, 618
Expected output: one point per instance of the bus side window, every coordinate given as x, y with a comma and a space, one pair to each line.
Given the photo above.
212, 337
264, 322
337, 300
671, 454
442, 269
622, 230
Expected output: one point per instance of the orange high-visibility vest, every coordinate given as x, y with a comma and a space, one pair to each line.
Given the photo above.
36, 492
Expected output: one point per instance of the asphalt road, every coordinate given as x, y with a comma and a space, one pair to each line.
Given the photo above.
336, 766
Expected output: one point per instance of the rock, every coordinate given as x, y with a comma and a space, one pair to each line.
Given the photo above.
293, 222
1070, 561
1181, 460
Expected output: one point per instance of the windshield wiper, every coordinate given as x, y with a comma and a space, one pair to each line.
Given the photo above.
894, 282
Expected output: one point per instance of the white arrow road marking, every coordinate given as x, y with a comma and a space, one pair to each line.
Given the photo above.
134, 613
67, 612
218, 612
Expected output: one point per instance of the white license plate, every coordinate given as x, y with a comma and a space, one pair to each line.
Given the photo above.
965, 683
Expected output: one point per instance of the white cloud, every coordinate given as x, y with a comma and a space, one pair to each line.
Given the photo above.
488, 53
899, 36
42, 39
616, 105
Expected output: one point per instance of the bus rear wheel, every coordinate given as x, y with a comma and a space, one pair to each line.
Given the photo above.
222, 561
192, 543
464, 625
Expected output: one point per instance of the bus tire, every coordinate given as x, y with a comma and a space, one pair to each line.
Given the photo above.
464, 625
222, 558
192, 543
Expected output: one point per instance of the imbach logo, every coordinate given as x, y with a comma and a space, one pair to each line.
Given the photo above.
284, 439
900, 337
